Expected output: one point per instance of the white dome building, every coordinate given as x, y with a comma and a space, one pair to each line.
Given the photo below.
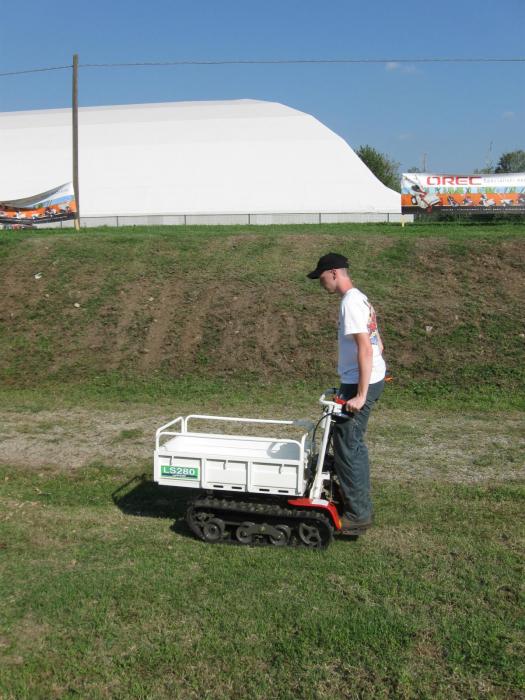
239, 161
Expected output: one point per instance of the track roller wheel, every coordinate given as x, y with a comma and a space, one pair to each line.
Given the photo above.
282, 539
213, 530
243, 534
310, 535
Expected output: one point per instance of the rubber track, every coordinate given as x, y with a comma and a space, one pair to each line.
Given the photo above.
271, 513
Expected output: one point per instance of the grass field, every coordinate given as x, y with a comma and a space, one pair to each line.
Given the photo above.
105, 594
117, 601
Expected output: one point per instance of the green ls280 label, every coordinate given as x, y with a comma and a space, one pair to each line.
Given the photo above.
179, 472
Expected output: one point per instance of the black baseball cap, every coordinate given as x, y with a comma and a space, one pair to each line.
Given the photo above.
330, 261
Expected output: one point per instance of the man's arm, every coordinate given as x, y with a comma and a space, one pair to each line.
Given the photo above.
364, 362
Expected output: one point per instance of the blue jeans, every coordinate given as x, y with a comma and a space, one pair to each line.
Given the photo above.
351, 453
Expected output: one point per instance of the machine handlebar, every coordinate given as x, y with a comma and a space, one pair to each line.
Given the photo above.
336, 403
330, 392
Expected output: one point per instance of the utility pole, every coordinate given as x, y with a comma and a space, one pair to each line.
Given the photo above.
424, 162
75, 141
488, 159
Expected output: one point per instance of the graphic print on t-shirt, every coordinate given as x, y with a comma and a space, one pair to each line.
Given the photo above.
372, 324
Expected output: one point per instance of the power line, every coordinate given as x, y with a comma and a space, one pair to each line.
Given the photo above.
291, 61
304, 60
35, 70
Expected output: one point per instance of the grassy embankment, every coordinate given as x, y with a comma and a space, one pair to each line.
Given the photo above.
144, 314
104, 592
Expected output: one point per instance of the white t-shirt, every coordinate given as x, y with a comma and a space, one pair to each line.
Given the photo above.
357, 315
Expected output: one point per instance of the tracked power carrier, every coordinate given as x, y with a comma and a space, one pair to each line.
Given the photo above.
255, 490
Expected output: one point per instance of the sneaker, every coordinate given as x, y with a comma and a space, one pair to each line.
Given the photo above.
354, 527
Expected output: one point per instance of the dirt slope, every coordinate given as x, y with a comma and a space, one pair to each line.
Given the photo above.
239, 305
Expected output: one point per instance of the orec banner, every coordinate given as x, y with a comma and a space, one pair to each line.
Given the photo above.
425, 192
48, 207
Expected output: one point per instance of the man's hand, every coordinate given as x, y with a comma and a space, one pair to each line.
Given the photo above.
355, 404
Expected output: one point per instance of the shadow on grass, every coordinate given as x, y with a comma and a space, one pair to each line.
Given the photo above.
142, 497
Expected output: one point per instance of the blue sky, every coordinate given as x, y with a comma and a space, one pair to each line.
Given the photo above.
460, 115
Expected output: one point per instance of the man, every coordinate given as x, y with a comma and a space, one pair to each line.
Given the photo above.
362, 372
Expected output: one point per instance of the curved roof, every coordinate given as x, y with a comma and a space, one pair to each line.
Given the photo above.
190, 158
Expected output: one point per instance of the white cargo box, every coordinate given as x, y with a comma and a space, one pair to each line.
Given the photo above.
230, 462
